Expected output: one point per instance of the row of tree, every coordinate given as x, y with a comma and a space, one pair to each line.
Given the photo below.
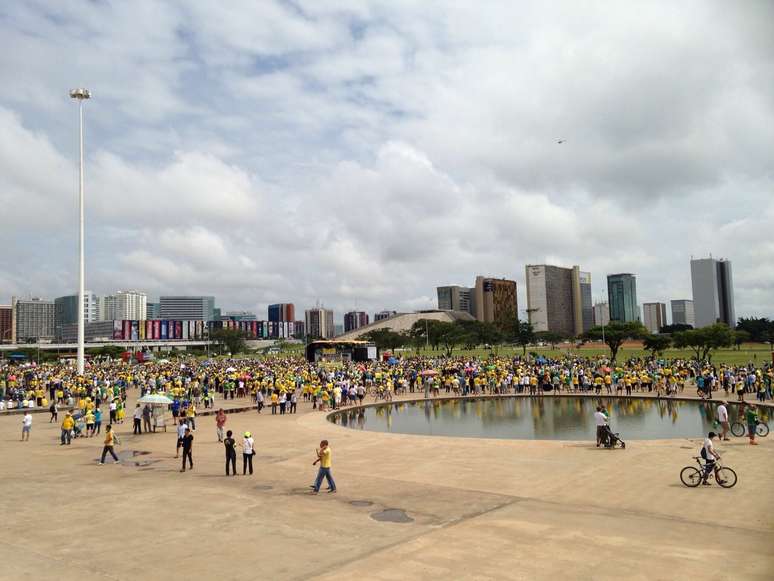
700, 341
445, 336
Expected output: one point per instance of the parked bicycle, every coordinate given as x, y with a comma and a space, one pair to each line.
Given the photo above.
739, 429
692, 476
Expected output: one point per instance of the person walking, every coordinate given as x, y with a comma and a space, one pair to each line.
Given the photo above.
98, 420
26, 426
723, 420
67, 429
259, 399
220, 421
110, 440
324, 457
190, 415
112, 408
137, 420
187, 449
54, 409
230, 444
248, 451
294, 402
181, 428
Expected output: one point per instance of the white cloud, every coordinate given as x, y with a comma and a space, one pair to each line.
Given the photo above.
362, 153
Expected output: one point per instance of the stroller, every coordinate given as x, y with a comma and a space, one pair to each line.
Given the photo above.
611, 439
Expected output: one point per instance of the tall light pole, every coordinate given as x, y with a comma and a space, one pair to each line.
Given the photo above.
80, 95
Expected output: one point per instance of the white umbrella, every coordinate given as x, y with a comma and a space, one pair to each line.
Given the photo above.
155, 399
230, 370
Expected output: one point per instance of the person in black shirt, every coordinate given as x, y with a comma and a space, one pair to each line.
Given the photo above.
230, 443
187, 448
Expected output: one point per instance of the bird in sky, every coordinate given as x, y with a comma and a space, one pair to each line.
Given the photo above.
561, 141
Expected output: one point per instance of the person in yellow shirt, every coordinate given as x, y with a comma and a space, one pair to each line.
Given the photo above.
67, 428
190, 414
110, 441
324, 457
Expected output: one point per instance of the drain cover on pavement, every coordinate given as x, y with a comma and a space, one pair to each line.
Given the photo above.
397, 515
361, 503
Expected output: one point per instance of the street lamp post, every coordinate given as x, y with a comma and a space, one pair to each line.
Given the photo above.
80, 95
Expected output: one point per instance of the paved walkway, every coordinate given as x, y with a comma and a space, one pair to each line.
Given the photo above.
475, 508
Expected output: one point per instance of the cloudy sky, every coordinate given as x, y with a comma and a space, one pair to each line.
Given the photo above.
361, 153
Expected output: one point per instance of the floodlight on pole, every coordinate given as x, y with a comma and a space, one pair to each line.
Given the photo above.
81, 95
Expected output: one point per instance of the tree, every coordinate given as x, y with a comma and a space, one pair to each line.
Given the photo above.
760, 329
657, 344
232, 339
741, 336
453, 335
616, 333
703, 341
385, 339
550, 337
524, 335
676, 328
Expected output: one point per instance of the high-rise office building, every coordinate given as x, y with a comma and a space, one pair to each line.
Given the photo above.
713, 292
6, 324
188, 308
131, 305
319, 323
106, 308
601, 314
238, 316
654, 316
66, 311
455, 298
282, 313
382, 315
34, 320
559, 299
586, 302
354, 320
682, 313
622, 298
153, 311
495, 301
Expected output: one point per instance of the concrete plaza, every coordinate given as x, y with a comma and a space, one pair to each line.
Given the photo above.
472, 508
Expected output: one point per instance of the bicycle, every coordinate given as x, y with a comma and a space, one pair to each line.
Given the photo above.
692, 476
739, 429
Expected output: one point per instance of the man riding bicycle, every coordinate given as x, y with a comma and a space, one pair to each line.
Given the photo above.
710, 456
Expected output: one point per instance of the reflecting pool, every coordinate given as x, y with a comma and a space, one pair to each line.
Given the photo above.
538, 418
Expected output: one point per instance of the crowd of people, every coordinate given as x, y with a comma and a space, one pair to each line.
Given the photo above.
281, 382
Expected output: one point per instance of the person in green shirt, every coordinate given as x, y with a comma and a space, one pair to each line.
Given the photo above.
751, 415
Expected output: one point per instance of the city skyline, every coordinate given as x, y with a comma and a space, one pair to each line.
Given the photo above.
450, 295
362, 156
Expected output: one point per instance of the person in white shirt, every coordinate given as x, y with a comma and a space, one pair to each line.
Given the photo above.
26, 426
180, 435
710, 455
247, 453
600, 419
723, 420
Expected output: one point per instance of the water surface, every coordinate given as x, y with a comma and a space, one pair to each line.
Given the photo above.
537, 418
